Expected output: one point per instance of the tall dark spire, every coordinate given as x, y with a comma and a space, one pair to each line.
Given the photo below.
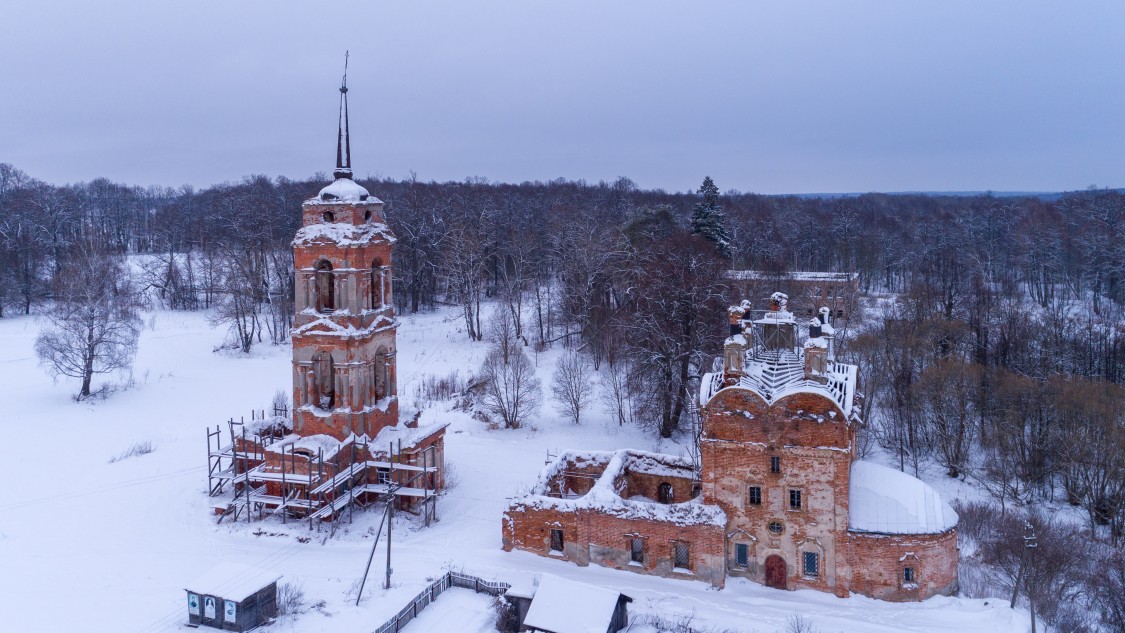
343, 140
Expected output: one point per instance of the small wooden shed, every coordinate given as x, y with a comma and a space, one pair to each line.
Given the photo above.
232, 597
557, 605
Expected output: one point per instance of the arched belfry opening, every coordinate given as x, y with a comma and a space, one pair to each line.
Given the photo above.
324, 370
378, 284
325, 287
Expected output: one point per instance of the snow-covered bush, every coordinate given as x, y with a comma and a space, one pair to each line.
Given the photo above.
140, 448
290, 598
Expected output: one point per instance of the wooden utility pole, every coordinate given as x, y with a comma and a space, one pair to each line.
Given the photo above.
1029, 545
370, 558
392, 486
390, 521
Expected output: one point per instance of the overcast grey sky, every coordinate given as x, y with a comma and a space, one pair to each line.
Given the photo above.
768, 97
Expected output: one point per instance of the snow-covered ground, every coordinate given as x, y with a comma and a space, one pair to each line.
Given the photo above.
86, 544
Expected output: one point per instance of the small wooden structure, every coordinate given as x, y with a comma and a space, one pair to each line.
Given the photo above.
232, 597
557, 605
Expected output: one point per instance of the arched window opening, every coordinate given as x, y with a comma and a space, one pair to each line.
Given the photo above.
380, 285
329, 216
367, 215
664, 492
325, 287
325, 380
380, 374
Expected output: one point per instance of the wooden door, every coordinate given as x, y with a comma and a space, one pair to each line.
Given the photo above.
775, 572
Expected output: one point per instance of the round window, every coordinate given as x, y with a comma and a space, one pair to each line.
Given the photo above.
776, 527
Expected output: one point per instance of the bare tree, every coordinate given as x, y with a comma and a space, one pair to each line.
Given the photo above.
239, 306
617, 396
464, 263
947, 392
673, 304
571, 385
1113, 594
93, 326
502, 331
511, 390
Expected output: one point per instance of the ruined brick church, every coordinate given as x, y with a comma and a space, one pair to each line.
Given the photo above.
777, 496
344, 444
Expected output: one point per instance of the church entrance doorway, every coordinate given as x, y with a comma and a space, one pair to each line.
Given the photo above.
775, 572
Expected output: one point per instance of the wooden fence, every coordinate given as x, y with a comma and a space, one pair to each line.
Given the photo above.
429, 594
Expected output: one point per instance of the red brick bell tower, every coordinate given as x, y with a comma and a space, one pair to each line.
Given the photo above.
344, 330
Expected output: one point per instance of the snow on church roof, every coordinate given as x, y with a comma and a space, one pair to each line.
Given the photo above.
344, 234
888, 501
343, 191
566, 606
603, 495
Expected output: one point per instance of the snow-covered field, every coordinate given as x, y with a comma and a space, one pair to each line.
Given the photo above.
86, 544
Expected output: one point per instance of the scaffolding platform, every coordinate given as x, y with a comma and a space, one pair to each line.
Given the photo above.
312, 487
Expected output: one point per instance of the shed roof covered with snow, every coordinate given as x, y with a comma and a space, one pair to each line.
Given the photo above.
233, 581
887, 501
566, 606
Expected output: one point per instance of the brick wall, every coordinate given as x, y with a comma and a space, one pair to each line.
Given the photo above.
575, 478
632, 483
877, 563
603, 539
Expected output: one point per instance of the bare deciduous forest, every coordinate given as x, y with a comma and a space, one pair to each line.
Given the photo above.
990, 344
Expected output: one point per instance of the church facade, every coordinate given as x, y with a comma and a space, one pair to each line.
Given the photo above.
778, 495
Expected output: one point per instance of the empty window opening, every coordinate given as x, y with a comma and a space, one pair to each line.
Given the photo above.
664, 493
329, 216
755, 495
325, 287
812, 564
637, 550
367, 216
908, 576
741, 555
557, 541
681, 555
775, 464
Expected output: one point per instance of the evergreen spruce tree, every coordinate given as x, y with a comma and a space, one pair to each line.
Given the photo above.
707, 218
